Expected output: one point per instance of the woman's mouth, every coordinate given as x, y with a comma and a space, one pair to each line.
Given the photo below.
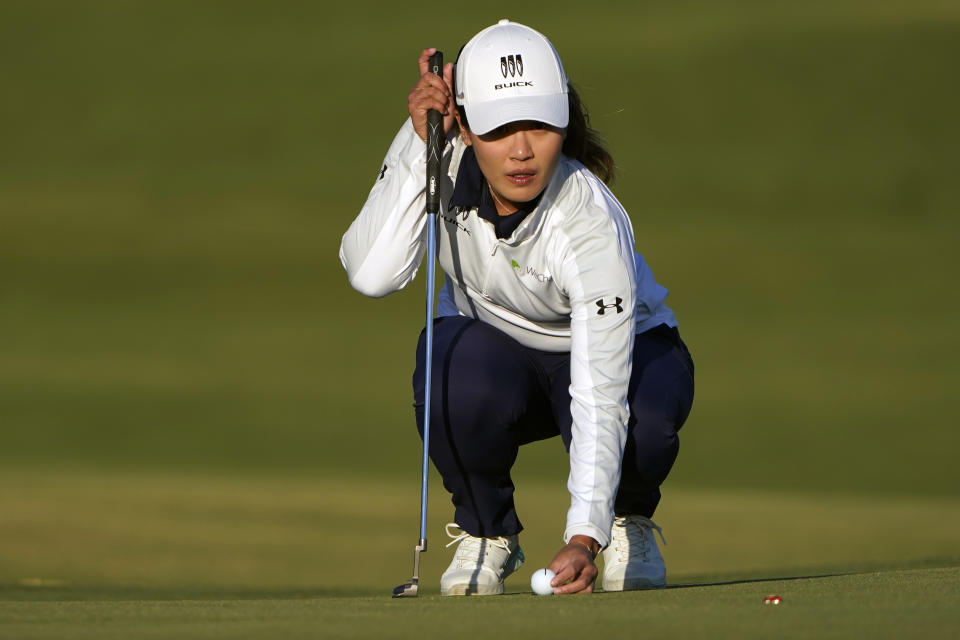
521, 178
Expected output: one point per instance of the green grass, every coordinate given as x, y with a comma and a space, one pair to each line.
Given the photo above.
206, 433
894, 604
219, 556
198, 531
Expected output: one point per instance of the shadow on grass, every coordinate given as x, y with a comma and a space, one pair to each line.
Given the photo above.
824, 572
720, 583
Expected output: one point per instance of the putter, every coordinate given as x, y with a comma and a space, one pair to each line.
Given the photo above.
434, 149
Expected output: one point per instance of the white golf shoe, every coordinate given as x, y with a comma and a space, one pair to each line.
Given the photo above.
632, 560
480, 565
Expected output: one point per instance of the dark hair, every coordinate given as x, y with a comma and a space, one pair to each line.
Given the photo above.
582, 142
585, 144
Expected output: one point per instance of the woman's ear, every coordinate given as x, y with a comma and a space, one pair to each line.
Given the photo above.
464, 131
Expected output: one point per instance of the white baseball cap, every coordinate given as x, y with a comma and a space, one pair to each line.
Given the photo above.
510, 72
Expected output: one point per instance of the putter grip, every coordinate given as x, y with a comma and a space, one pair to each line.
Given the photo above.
434, 143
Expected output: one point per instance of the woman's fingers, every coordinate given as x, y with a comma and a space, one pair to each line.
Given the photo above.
575, 569
431, 92
423, 98
583, 584
424, 61
565, 575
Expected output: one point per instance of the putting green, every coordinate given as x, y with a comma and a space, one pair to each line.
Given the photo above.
103, 556
894, 604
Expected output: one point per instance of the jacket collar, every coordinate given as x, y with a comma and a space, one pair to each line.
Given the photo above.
531, 223
470, 191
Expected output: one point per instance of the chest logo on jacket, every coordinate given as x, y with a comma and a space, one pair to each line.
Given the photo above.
603, 307
529, 271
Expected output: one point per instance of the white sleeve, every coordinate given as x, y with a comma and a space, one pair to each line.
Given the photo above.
383, 247
599, 278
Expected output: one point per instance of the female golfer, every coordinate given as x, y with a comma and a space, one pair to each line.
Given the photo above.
549, 323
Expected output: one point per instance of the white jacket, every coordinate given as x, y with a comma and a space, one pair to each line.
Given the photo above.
567, 279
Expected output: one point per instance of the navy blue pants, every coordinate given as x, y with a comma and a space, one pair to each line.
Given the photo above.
490, 395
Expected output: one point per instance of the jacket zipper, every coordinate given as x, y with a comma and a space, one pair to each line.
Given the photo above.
490, 263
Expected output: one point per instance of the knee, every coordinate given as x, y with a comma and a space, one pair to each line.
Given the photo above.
661, 396
651, 440
446, 333
656, 415
479, 373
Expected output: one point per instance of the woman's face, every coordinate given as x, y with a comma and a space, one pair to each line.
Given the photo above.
517, 159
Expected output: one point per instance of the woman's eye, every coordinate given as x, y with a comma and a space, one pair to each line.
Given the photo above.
511, 127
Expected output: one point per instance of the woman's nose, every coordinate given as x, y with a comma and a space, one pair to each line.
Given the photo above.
520, 148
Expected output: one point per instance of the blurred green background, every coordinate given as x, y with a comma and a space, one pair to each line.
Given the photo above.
175, 178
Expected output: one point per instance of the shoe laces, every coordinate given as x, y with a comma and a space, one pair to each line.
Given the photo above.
631, 535
473, 550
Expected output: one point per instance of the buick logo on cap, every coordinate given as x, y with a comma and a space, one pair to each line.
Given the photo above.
511, 65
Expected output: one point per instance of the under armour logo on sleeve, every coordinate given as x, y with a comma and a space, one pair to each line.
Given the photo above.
382, 172
603, 307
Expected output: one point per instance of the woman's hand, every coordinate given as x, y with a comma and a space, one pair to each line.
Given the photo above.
574, 566
431, 92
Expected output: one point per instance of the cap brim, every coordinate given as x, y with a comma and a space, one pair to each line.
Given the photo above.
484, 117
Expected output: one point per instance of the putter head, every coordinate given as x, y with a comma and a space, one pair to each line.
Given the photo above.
406, 590
411, 588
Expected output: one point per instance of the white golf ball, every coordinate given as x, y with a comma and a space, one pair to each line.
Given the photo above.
540, 582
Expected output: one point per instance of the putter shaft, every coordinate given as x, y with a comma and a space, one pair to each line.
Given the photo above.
434, 150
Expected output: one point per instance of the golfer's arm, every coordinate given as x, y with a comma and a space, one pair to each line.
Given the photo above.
382, 249
600, 361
